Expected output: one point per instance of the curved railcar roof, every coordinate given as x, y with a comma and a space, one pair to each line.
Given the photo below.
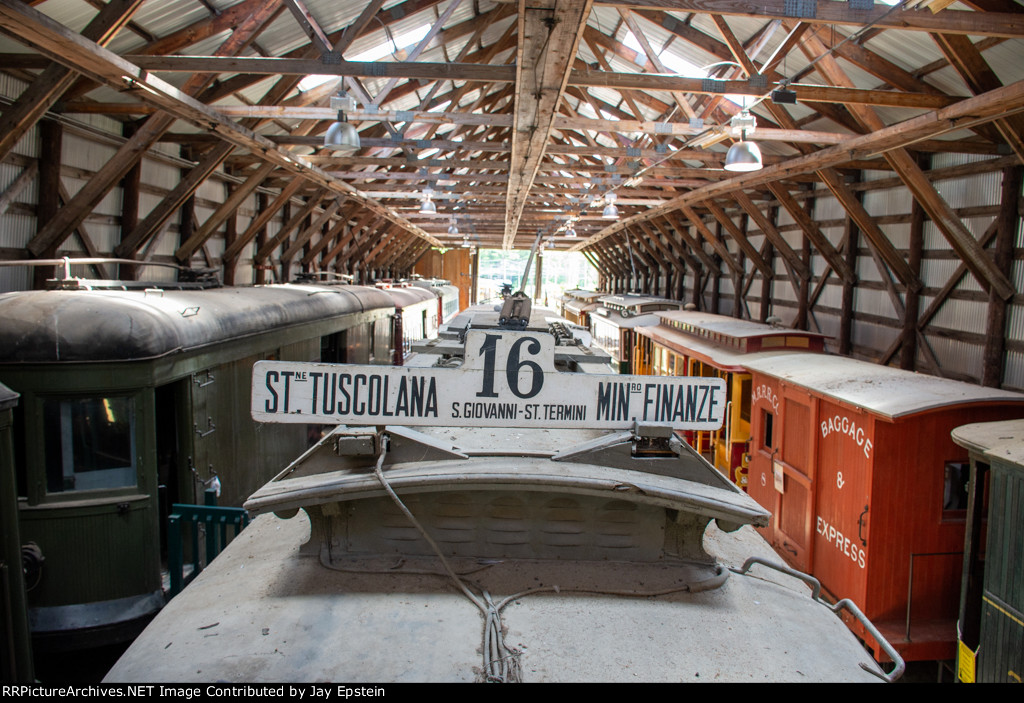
889, 392
108, 325
409, 295
295, 620
708, 324
1000, 441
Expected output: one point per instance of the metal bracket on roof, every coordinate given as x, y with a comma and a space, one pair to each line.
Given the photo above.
633, 152
712, 85
862, 5
330, 57
800, 8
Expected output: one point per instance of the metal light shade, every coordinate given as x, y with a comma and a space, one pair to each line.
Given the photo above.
743, 156
427, 207
453, 229
342, 136
571, 232
610, 212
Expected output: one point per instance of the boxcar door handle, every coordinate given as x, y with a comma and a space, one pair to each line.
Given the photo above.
211, 428
860, 527
203, 384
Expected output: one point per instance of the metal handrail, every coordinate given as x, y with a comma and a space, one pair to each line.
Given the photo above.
844, 604
210, 516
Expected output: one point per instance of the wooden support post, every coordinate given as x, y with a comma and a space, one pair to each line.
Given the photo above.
995, 323
51, 136
130, 188
852, 237
538, 288
908, 344
230, 235
764, 310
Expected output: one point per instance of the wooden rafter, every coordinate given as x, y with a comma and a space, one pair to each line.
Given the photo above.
549, 36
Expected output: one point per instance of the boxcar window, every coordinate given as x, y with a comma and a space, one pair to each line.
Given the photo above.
745, 384
333, 348
90, 443
766, 422
954, 492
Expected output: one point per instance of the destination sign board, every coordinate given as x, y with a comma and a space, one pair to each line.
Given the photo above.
508, 379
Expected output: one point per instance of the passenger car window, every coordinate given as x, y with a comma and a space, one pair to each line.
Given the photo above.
90, 443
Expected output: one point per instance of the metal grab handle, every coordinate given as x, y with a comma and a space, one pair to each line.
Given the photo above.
844, 604
897, 672
203, 384
209, 423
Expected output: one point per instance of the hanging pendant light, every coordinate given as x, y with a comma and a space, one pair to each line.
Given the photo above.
744, 155
610, 212
571, 232
342, 135
427, 206
453, 228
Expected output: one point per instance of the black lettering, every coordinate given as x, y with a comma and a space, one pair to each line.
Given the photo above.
402, 402
270, 405
287, 375
358, 407
691, 402
623, 412
711, 403
665, 407
417, 396
431, 408
345, 406
703, 402
604, 400
315, 375
373, 396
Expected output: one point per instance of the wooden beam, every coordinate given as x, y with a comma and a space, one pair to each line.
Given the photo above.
229, 206
982, 108
741, 239
261, 220
288, 227
812, 232
790, 257
309, 25
879, 242
959, 237
827, 12
14, 190
47, 88
159, 215
549, 36
964, 56
304, 236
71, 49
716, 244
994, 355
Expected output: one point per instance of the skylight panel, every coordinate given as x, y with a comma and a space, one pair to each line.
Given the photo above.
393, 45
314, 81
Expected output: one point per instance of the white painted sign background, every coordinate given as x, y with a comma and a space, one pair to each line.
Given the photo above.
508, 380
